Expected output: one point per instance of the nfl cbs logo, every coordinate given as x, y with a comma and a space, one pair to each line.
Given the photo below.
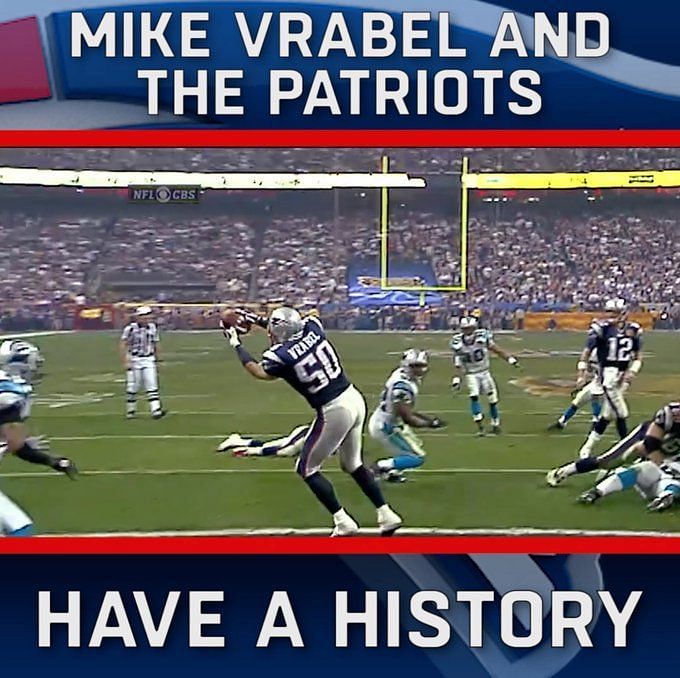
164, 195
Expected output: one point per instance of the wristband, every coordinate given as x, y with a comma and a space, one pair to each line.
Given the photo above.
243, 355
581, 366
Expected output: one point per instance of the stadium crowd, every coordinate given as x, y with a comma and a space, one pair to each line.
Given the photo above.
530, 256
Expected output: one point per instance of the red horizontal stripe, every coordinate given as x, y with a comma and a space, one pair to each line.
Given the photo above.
340, 138
326, 545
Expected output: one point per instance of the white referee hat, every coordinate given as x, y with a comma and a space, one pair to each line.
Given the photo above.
144, 310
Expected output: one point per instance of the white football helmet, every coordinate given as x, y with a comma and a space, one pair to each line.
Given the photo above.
284, 323
415, 362
617, 309
468, 324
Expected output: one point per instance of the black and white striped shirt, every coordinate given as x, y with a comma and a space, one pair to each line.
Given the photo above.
141, 340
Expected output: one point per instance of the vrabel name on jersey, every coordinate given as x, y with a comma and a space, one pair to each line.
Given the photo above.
399, 388
614, 346
471, 352
309, 363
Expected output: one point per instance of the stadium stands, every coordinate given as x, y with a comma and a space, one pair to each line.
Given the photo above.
571, 254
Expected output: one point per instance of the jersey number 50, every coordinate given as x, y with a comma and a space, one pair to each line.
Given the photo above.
319, 368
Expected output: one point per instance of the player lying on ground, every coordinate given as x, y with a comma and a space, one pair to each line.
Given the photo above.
658, 484
288, 446
657, 440
618, 346
391, 422
303, 356
471, 347
14, 409
139, 354
592, 392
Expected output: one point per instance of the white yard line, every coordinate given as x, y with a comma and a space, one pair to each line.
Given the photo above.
45, 412
236, 471
405, 531
221, 436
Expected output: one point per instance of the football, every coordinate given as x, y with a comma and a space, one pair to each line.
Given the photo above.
233, 319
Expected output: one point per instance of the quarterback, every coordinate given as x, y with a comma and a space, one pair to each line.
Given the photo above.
618, 346
393, 420
471, 347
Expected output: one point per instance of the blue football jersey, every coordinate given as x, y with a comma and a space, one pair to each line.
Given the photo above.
614, 346
309, 363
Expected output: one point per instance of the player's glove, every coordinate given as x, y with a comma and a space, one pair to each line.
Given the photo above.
513, 361
65, 466
435, 422
39, 443
232, 335
455, 383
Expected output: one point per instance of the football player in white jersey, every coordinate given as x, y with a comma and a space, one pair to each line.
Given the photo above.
592, 392
20, 359
139, 355
394, 418
14, 410
471, 347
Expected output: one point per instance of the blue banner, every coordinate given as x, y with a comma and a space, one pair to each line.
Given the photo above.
351, 65
365, 288
362, 614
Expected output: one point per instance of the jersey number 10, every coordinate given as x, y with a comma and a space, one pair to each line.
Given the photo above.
319, 368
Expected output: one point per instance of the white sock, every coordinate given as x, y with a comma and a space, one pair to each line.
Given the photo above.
340, 515
610, 484
587, 448
155, 405
569, 469
385, 464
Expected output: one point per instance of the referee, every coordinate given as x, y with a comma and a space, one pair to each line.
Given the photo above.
139, 354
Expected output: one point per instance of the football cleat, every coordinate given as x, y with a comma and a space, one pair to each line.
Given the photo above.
394, 476
662, 502
590, 496
345, 526
66, 466
556, 426
234, 440
159, 415
131, 415
388, 521
555, 477
496, 429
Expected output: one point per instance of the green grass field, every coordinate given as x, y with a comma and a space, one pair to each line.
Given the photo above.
146, 475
